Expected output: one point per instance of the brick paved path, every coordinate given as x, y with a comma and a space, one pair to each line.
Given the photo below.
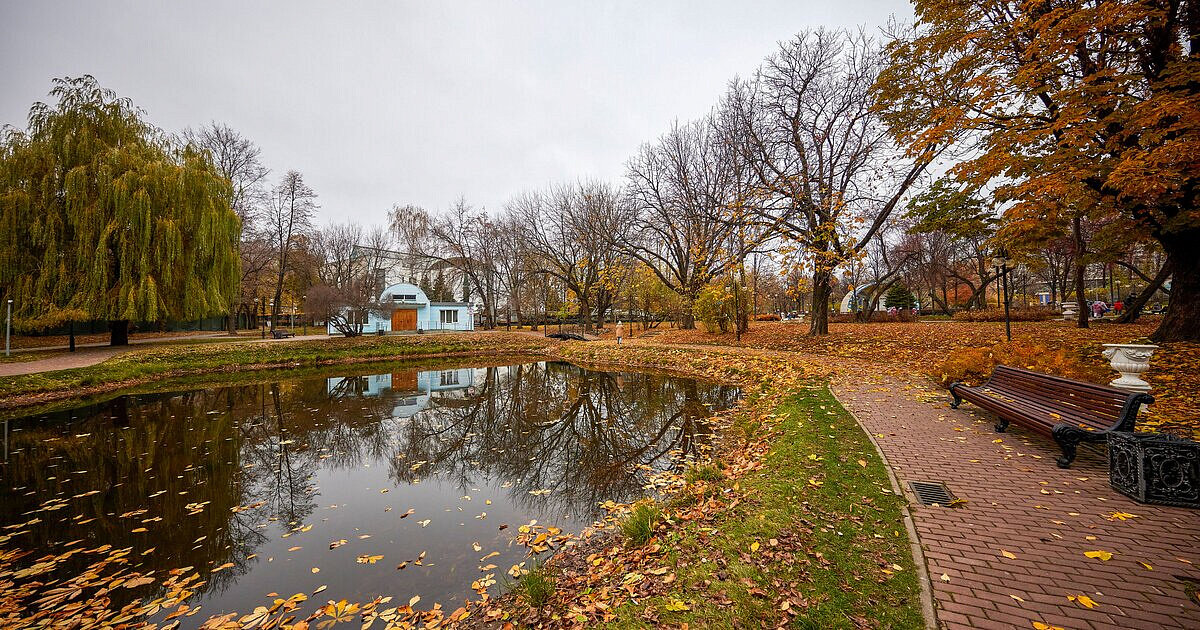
1020, 502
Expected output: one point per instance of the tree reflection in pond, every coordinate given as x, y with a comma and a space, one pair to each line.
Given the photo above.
261, 479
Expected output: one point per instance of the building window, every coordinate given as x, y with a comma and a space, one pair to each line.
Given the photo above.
404, 298
449, 317
448, 377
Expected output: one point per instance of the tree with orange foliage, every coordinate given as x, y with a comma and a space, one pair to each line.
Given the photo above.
1075, 110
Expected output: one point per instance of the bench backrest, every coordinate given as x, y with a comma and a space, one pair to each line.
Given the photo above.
1097, 405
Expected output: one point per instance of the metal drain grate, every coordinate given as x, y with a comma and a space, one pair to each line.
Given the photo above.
930, 493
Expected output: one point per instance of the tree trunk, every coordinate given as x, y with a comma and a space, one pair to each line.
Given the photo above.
820, 304
1182, 321
1133, 308
585, 314
1080, 273
118, 332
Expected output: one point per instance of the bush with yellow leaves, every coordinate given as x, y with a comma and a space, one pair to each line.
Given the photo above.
973, 365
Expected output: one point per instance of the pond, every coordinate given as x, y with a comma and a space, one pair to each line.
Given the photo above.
290, 484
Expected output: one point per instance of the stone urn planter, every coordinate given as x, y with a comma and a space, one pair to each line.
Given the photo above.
1130, 360
1070, 312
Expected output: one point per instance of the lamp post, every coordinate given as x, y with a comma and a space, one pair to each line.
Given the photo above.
305, 318
1001, 262
262, 322
272, 313
8, 329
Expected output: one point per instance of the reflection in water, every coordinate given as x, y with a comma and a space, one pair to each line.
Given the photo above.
262, 482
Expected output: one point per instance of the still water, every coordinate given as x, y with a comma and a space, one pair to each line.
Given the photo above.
263, 482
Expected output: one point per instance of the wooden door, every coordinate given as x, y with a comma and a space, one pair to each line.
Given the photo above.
404, 319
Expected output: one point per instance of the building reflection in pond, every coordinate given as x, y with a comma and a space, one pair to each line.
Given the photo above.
235, 474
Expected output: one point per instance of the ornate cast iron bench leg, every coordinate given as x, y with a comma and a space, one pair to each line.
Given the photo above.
1001, 425
1068, 438
957, 399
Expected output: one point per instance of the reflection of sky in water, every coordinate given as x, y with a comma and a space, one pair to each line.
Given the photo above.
346, 457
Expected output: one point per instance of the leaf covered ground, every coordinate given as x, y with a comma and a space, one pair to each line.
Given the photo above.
923, 347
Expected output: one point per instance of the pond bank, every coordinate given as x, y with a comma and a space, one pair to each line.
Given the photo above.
141, 366
796, 523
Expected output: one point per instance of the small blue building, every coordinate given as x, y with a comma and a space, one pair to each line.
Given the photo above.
404, 307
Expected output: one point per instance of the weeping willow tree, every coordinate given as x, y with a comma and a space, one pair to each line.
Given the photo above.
103, 217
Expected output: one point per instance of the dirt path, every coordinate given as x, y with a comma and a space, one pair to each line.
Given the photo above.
92, 354
80, 358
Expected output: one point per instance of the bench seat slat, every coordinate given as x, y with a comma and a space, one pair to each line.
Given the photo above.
1069, 411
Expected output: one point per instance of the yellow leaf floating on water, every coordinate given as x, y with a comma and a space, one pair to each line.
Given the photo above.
413, 602
1008, 554
368, 559
1103, 555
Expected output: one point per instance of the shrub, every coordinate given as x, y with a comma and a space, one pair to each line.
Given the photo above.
900, 297
639, 525
974, 365
997, 315
703, 472
877, 316
766, 317
535, 586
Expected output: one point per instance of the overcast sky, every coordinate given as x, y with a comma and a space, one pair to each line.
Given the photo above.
382, 103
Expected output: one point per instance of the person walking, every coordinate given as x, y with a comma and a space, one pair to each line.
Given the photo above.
620, 332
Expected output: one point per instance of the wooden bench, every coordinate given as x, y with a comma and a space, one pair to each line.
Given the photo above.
279, 333
1069, 411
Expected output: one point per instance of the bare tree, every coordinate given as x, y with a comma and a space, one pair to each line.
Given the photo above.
817, 145
568, 233
288, 215
687, 218
238, 159
462, 238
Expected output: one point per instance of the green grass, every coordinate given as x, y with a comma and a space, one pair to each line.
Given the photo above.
707, 472
844, 530
535, 587
638, 525
164, 361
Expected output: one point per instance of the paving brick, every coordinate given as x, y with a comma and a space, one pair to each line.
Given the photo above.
1003, 483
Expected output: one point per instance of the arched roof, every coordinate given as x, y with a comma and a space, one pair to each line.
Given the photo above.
402, 290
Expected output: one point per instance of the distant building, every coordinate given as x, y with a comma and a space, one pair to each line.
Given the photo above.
404, 307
